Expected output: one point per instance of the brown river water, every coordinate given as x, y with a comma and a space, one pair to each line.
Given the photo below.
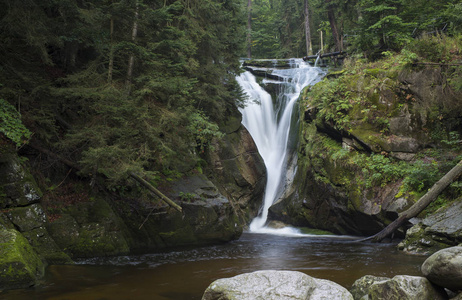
184, 274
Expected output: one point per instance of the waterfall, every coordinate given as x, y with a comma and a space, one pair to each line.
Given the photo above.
269, 123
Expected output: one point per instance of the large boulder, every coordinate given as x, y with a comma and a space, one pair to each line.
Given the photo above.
404, 287
439, 230
360, 288
444, 268
20, 266
274, 285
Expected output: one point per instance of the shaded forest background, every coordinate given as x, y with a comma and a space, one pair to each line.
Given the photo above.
143, 86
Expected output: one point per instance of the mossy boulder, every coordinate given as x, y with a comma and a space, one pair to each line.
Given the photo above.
90, 228
361, 286
406, 288
20, 266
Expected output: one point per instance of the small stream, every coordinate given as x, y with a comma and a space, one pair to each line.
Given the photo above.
185, 274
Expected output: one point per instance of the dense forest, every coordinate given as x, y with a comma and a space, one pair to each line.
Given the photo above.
142, 85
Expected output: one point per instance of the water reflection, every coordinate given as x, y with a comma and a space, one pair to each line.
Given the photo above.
186, 273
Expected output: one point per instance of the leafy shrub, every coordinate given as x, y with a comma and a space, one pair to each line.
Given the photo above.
11, 125
202, 130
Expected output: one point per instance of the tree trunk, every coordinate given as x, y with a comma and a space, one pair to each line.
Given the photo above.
131, 59
309, 49
249, 29
111, 52
333, 25
420, 205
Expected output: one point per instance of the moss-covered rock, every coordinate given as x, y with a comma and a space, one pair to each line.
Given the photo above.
362, 154
20, 266
406, 288
89, 229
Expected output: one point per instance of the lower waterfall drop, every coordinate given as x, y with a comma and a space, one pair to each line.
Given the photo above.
269, 123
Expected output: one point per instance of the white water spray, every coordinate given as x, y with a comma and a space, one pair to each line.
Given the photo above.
269, 124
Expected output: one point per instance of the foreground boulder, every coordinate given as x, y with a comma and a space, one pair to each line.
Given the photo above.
405, 287
360, 288
274, 285
444, 268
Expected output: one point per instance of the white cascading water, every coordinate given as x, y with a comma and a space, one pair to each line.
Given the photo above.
269, 125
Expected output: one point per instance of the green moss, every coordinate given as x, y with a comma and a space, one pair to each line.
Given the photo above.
306, 230
20, 266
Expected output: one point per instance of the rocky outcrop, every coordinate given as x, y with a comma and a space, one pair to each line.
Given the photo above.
73, 222
237, 168
364, 152
26, 246
94, 227
444, 268
399, 287
274, 285
439, 230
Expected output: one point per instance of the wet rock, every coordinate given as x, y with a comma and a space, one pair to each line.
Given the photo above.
440, 230
406, 288
27, 218
360, 288
90, 229
20, 266
274, 285
238, 169
21, 211
444, 268
17, 186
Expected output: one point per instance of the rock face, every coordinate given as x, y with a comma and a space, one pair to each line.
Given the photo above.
437, 231
274, 285
238, 169
361, 134
92, 227
26, 246
444, 268
405, 288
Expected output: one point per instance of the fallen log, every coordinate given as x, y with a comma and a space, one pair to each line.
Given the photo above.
419, 206
324, 55
156, 191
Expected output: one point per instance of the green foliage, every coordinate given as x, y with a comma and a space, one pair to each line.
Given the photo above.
422, 175
11, 125
202, 130
188, 197
333, 101
379, 170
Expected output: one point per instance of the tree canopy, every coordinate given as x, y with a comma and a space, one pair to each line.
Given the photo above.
366, 26
122, 85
